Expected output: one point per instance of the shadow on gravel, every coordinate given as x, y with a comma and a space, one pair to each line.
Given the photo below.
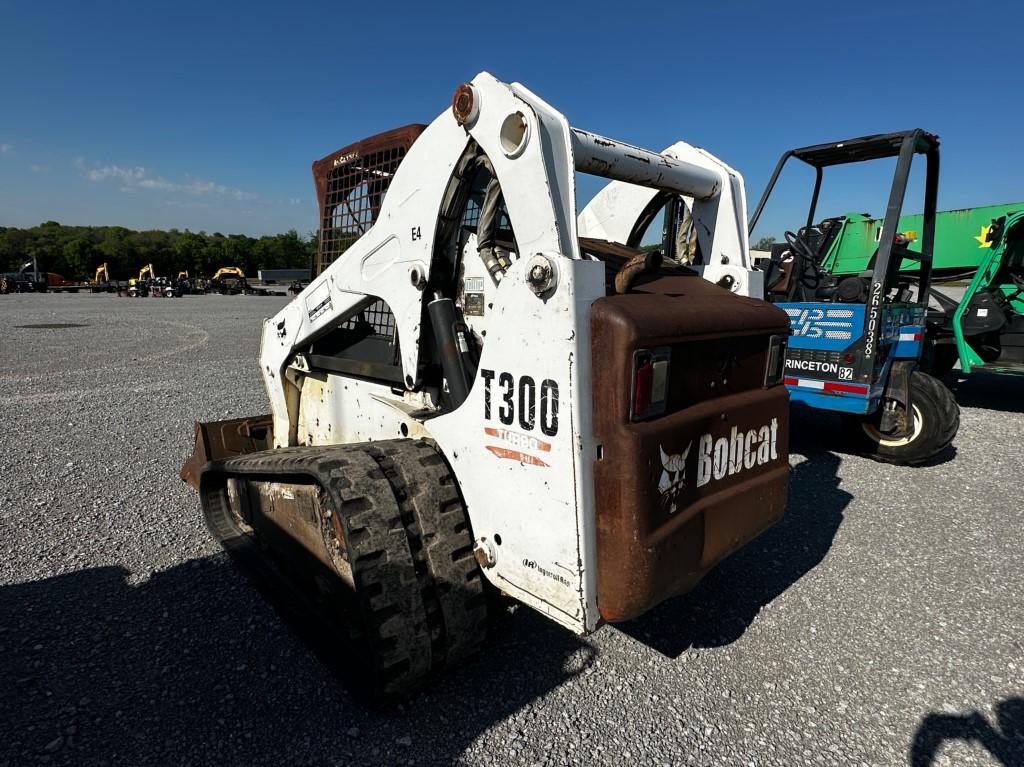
988, 391
192, 667
729, 598
1004, 741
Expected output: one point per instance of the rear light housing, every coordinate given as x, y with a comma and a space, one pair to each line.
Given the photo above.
775, 368
649, 390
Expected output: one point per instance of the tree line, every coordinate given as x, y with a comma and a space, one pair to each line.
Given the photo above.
76, 251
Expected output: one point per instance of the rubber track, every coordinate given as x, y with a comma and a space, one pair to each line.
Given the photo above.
442, 546
393, 618
420, 591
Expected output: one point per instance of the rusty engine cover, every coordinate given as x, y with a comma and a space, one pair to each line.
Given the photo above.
678, 492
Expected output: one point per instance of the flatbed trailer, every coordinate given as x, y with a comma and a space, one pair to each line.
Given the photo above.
88, 287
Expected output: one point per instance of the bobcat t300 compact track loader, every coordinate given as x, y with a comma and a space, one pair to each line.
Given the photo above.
468, 393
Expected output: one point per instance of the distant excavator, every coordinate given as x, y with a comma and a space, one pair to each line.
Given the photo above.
138, 287
228, 271
101, 283
185, 285
229, 281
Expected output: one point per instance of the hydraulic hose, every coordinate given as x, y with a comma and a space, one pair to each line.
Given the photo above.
486, 232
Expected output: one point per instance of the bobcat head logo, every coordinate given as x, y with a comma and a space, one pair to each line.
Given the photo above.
673, 477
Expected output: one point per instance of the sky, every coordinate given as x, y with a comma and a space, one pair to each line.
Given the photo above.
207, 115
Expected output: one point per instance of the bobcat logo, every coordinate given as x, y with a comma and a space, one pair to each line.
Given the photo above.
673, 477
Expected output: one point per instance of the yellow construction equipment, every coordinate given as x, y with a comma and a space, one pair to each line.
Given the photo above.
229, 280
228, 271
139, 286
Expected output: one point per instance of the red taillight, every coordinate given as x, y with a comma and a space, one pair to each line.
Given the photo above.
650, 382
642, 387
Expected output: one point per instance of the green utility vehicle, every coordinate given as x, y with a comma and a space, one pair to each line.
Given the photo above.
985, 329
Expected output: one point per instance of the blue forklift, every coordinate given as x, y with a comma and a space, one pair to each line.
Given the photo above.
857, 339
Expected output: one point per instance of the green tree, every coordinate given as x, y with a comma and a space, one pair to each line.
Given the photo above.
238, 252
76, 251
79, 256
188, 254
115, 248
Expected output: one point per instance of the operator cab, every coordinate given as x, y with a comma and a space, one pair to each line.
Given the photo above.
798, 269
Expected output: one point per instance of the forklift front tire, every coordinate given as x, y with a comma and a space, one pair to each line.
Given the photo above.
936, 419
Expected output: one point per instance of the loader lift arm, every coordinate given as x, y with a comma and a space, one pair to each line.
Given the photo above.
546, 230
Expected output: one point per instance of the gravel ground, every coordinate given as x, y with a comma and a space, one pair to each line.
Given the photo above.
881, 623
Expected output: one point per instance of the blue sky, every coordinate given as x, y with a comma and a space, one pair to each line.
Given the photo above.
207, 115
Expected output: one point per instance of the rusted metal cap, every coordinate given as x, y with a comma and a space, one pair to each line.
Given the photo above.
484, 552
464, 104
